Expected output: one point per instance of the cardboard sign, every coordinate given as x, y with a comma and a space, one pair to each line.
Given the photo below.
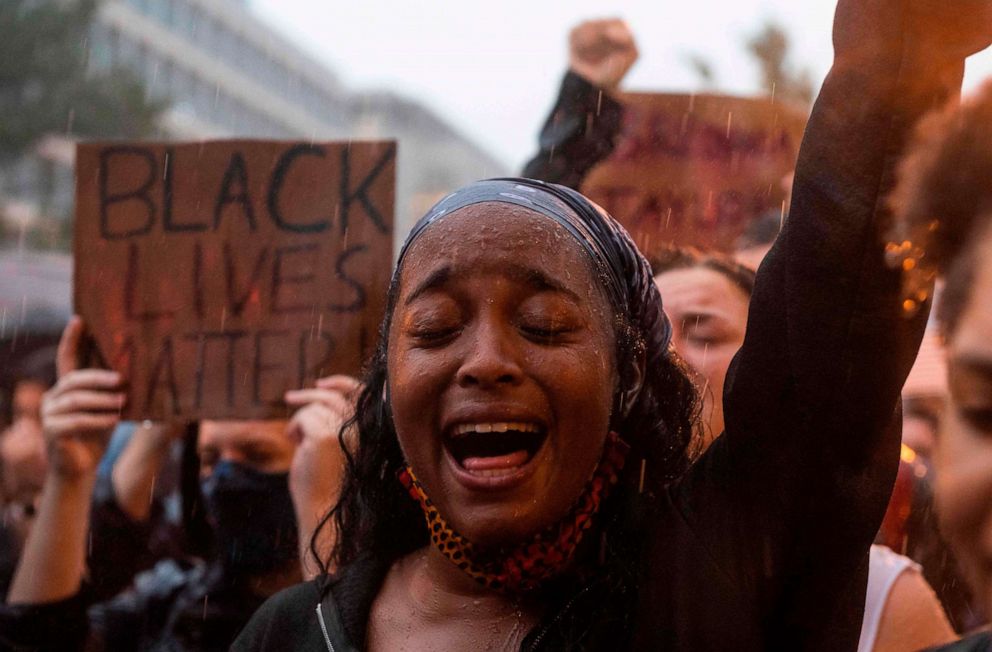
696, 169
217, 275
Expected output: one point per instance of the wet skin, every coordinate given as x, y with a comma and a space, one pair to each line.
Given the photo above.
500, 320
964, 447
709, 317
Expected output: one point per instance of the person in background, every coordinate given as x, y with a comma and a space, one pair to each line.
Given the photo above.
23, 462
706, 298
944, 226
264, 485
584, 125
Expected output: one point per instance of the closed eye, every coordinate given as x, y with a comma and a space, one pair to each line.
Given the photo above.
978, 418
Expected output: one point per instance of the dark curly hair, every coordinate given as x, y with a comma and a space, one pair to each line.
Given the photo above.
376, 517
943, 204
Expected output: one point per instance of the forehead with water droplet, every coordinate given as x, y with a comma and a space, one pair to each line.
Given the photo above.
494, 236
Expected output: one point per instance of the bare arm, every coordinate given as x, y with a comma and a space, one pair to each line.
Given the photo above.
140, 463
78, 415
912, 618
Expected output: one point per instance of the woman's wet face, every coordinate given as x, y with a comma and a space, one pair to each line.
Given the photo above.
501, 370
709, 317
964, 447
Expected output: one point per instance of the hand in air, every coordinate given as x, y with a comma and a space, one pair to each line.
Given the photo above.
318, 462
602, 51
79, 413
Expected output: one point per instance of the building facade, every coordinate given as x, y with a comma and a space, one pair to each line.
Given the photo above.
225, 74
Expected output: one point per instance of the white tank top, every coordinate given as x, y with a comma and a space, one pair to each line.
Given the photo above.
884, 568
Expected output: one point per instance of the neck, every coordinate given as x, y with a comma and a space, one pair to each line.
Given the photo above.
441, 590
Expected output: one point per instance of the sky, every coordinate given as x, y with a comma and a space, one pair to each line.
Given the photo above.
492, 69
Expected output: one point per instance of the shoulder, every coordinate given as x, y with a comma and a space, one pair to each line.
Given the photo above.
912, 616
287, 620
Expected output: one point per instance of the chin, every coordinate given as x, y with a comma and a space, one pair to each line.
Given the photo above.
499, 526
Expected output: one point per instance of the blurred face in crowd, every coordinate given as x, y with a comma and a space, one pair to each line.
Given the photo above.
26, 400
709, 316
964, 449
259, 445
501, 370
22, 453
919, 434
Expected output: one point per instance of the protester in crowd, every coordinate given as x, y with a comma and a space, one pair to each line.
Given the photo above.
22, 457
522, 476
706, 299
265, 484
584, 125
901, 610
944, 226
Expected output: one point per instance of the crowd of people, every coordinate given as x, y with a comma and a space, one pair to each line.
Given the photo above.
561, 444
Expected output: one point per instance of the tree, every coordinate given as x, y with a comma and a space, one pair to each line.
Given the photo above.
770, 48
46, 85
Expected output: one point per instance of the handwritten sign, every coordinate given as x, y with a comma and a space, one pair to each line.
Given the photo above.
217, 275
696, 169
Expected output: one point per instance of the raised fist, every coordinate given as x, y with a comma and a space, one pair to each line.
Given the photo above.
602, 51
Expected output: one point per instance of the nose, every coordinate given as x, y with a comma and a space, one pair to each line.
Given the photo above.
492, 359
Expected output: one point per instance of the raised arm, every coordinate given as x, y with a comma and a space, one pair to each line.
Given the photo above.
585, 122
793, 493
128, 529
44, 609
78, 416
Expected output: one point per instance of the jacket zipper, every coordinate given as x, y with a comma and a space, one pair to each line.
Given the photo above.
323, 630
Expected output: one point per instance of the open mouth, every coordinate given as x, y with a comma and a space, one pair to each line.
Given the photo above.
494, 450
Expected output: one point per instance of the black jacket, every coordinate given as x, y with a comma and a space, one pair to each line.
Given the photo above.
763, 545
142, 594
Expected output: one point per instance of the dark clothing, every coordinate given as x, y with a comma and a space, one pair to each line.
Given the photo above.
172, 608
174, 605
581, 131
763, 545
981, 642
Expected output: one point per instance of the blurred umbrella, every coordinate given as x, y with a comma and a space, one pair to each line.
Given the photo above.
35, 304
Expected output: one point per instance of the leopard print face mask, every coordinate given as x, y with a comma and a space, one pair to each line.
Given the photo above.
527, 565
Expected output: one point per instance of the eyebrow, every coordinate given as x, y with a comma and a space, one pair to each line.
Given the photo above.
531, 276
437, 278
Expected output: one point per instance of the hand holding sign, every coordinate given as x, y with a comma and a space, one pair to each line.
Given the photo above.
602, 51
318, 464
316, 427
80, 411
